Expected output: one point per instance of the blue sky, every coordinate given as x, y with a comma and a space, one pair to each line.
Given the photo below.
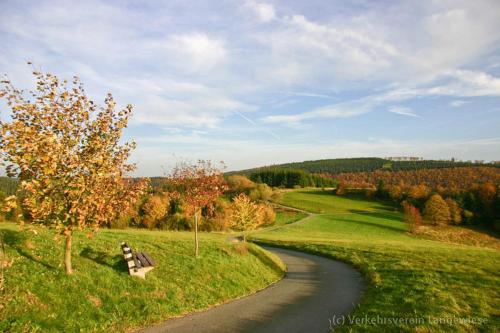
254, 82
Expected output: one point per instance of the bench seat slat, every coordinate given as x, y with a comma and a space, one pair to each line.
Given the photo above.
143, 260
148, 258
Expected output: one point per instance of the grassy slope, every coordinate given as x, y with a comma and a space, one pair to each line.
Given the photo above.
101, 295
409, 277
288, 216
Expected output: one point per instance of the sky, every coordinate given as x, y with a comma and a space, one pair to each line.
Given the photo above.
255, 83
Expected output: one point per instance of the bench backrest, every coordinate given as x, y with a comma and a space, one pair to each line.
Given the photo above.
136, 260
129, 257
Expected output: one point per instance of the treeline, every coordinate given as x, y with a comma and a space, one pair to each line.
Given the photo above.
368, 164
287, 178
450, 180
161, 209
8, 186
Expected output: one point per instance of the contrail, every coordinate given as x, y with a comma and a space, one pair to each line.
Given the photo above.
276, 136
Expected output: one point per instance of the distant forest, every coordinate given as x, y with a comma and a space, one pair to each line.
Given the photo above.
290, 178
366, 164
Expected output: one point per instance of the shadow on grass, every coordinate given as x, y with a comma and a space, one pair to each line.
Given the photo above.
16, 240
483, 229
102, 258
370, 224
381, 215
319, 191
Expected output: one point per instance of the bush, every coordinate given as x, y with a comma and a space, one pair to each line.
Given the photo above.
120, 223
267, 215
239, 184
340, 189
217, 216
261, 192
436, 211
176, 221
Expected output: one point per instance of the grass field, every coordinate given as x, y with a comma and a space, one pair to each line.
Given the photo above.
440, 286
100, 295
288, 216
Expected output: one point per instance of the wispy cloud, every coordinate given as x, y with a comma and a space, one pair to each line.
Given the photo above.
404, 111
457, 103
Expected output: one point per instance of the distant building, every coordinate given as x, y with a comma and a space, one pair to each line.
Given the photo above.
404, 158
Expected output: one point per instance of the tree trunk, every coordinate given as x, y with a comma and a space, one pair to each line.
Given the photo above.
67, 254
196, 234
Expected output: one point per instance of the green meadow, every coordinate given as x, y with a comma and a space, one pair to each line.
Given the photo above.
433, 286
39, 297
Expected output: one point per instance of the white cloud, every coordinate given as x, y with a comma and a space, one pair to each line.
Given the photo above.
303, 51
198, 51
265, 12
469, 83
405, 111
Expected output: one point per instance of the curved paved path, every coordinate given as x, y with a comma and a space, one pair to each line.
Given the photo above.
312, 292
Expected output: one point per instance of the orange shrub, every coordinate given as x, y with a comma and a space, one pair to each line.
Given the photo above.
412, 217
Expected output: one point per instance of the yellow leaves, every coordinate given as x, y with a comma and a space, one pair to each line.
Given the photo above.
10, 203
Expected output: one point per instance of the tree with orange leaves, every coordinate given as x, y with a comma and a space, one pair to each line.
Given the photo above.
197, 185
65, 151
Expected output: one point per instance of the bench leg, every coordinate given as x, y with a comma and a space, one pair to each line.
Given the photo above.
141, 272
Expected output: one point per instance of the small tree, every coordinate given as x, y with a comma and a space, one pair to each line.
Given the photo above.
65, 151
412, 217
198, 185
455, 211
246, 214
436, 210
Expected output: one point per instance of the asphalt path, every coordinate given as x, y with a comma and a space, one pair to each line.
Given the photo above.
313, 292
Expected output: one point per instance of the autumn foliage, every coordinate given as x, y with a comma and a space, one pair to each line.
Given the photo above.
66, 152
412, 217
436, 211
248, 215
448, 181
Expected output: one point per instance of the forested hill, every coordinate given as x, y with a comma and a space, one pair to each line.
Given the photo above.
364, 164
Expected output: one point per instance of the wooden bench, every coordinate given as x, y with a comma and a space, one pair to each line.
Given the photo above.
139, 263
